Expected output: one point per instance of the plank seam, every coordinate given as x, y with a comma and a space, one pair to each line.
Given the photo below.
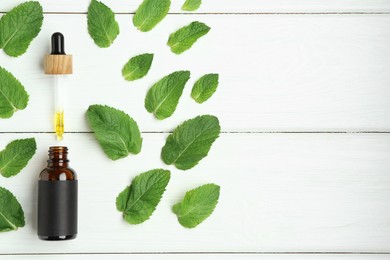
204, 253
224, 132
238, 13
269, 13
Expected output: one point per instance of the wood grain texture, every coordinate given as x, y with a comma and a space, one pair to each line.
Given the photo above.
293, 73
58, 64
279, 193
223, 6
207, 256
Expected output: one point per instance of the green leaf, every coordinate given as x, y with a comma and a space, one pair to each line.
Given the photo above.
163, 97
19, 27
184, 38
16, 156
191, 5
204, 87
102, 26
11, 213
150, 13
137, 67
191, 141
197, 205
117, 133
139, 200
13, 97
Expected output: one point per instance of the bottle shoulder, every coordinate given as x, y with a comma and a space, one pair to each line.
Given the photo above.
58, 174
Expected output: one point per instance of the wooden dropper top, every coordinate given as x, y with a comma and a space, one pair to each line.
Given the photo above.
58, 62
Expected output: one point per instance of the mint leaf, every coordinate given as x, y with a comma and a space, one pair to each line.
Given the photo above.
204, 87
197, 205
150, 13
163, 97
11, 213
16, 155
191, 5
139, 200
137, 67
184, 38
19, 27
191, 141
117, 133
13, 97
102, 26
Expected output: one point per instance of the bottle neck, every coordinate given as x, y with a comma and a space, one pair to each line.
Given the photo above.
58, 157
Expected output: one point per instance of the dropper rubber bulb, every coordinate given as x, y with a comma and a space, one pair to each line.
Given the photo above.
57, 44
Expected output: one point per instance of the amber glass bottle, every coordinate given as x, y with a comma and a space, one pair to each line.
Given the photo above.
57, 197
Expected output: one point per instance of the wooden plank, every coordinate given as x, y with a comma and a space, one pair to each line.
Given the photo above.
207, 256
293, 73
225, 6
280, 193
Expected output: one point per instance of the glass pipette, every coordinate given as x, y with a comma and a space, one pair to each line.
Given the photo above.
59, 109
57, 63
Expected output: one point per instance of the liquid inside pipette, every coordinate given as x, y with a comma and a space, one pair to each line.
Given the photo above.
59, 125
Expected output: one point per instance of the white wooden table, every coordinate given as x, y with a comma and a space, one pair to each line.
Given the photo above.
303, 160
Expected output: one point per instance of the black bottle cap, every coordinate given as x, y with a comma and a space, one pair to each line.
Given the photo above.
57, 44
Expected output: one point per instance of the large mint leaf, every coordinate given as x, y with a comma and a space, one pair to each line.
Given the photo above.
163, 97
191, 141
11, 213
139, 200
16, 156
137, 67
13, 97
150, 13
102, 26
117, 133
191, 5
197, 205
19, 27
184, 38
204, 87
